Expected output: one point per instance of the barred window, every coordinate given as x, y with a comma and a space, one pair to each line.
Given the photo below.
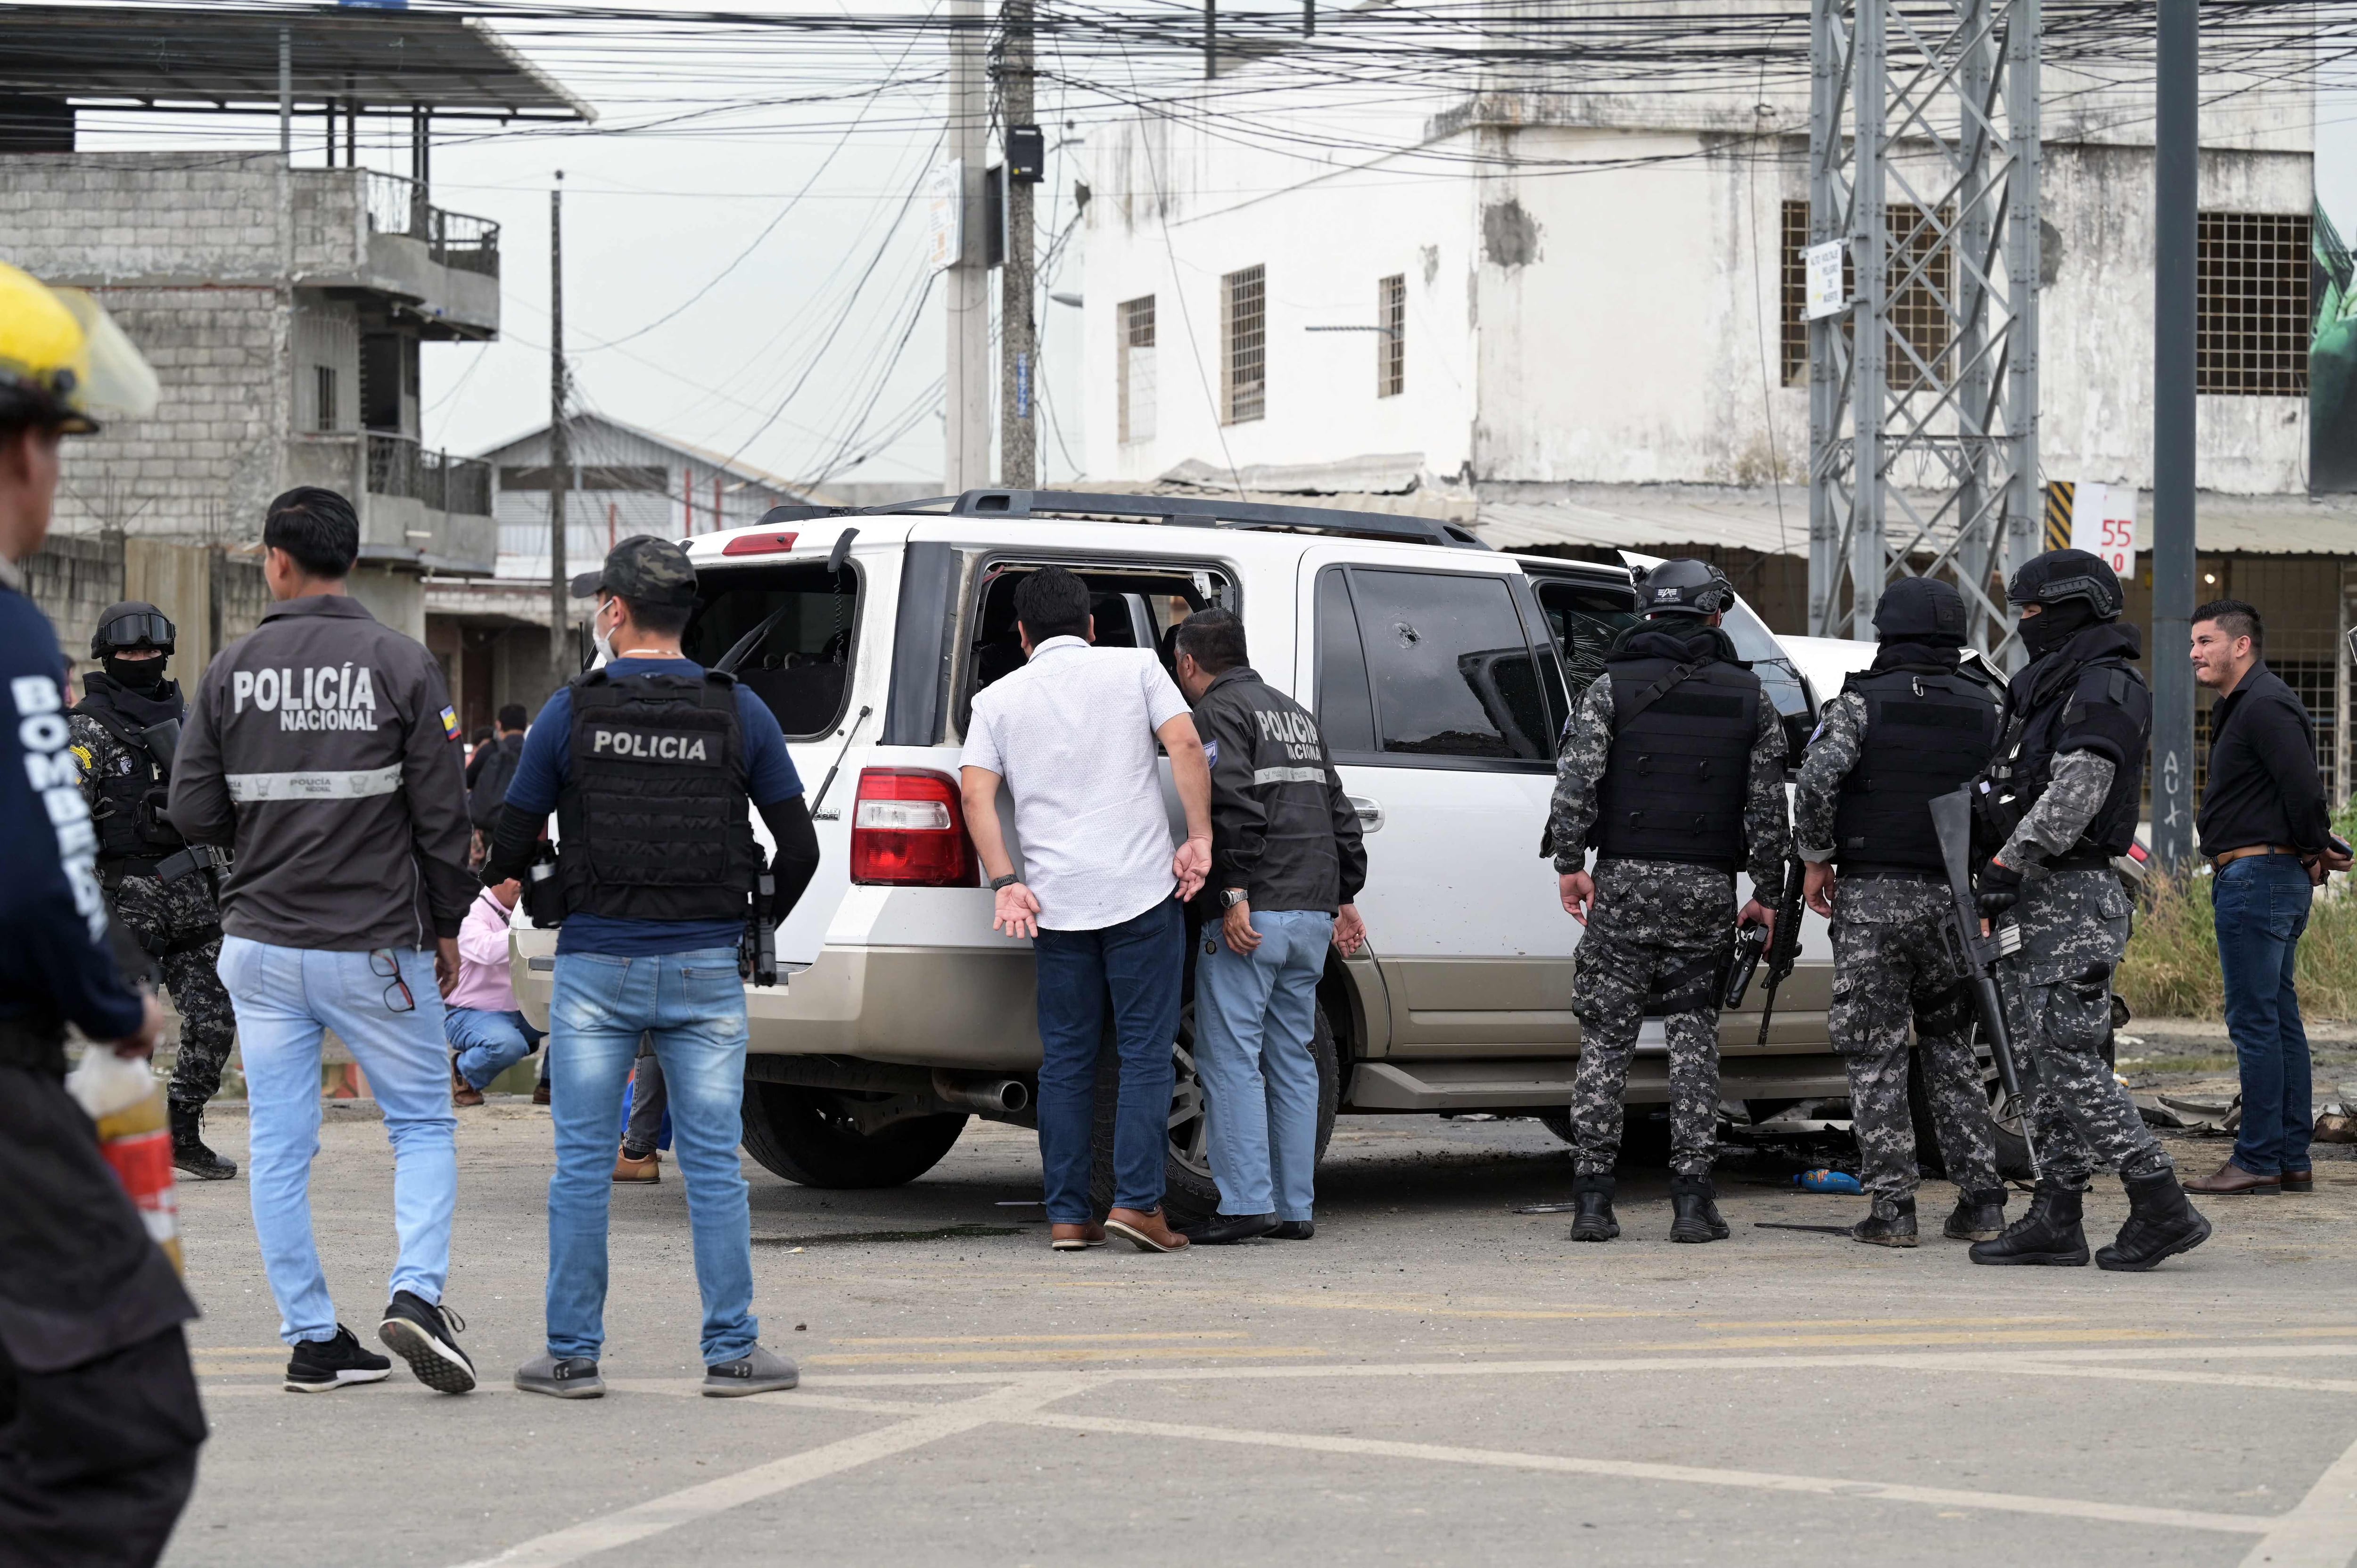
1916, 310
2252, 328
1391, 337
1243, 344
1135, 393
323, 397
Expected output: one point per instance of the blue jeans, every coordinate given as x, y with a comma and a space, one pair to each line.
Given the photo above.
1140, 962
487, 1043
1254, 1020
2261, 906
693, 1006
283, 997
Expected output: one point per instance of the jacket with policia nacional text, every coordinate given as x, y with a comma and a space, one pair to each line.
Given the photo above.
322, 747
1282, 827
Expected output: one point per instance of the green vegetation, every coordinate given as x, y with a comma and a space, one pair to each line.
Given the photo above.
2171, 967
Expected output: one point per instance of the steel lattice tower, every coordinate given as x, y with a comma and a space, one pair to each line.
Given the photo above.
1923, 156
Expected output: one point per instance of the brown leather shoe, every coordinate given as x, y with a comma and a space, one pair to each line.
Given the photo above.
1146, 1233
540, 1093
2299, 1181
461, 1091
629, 1169
1075, 1237
2231, 1178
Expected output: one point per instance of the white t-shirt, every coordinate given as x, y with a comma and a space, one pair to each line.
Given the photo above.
1072, 734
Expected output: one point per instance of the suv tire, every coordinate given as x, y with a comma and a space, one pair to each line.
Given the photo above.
803, 1136
1188, 1192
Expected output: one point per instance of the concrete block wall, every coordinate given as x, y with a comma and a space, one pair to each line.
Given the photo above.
72, 580
93, 218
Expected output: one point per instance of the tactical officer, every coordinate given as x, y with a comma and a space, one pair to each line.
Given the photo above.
159, 886
2061, 798
1919, 723
1673, 772
99, 1418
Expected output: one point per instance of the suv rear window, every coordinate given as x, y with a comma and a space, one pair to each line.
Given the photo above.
1134, 606
1585, 618
1429, 664
802, 665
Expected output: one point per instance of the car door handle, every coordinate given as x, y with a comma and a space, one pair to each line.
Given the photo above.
1370, 813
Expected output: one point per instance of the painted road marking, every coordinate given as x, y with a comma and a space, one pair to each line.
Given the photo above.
1070, 1354
1823, 1323
1038, 1339
2320, 1532
1982, 1337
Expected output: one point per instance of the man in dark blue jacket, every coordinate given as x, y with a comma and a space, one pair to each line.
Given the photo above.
99, 1418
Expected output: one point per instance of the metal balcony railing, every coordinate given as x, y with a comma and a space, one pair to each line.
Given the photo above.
397, 466
397, 205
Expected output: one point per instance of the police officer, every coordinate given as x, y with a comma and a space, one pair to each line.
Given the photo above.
654, 767
1919, 723
2063, 795
1673, 772
159, 886
99, 1418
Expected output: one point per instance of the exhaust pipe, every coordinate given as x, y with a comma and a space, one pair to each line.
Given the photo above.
984, 1096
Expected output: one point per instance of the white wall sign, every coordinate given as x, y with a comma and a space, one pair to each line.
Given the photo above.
1825, 267
2103, 522
945, 215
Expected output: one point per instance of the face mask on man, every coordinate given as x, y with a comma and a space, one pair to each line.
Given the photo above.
600, 636
139, 674
2058, 623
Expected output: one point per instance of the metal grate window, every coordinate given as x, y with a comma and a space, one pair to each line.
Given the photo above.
2252, 329
1243, 344
1794, 273
323, 397
1136, 389
1919, 311
1390, 338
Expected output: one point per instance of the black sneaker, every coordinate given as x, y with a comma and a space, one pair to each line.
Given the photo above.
427, 1337
318, 1366
1294, 1230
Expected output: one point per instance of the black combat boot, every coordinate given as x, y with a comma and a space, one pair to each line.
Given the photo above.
1892, 1224
1593, 1220
1695, 1210
2161, 1224
2048, 1233
189, 1151
1979, 1216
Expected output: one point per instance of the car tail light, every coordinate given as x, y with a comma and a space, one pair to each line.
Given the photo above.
908, 830
759, 544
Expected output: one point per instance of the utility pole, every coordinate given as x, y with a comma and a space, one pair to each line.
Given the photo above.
2177, 139
560, 447
966, 455
1018, 350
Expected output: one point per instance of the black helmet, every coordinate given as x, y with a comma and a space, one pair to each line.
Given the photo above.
134, 623
1921, 609
2060, 576
1685, 587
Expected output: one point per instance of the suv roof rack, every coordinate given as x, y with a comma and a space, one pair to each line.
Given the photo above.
1185, 511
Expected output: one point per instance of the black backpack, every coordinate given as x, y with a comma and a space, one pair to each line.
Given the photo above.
490, 787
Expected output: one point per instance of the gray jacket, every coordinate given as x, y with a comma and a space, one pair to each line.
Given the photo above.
322, 746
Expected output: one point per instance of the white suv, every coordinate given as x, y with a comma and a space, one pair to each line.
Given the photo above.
1441, 673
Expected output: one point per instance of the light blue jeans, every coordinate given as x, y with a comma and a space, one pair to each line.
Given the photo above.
1254, 1020
384, 1004
693, 1006
487, 1043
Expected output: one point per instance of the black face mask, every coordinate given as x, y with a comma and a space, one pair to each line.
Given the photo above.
2058, 623
139, 674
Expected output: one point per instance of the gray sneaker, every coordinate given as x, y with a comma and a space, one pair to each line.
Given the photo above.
567, 1378
758, 1372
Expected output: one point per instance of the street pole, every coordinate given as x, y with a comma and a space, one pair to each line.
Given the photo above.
561, 665
2176, 150
1018, 352
967, 456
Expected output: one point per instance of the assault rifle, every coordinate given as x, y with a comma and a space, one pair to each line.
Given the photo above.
1952, 819
1784, 942
756, 958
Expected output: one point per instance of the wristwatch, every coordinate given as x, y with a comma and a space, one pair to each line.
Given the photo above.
1231, 896
1009, 880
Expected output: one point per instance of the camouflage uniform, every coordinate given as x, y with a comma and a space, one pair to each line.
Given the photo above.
177, 924
1656, 926
1894, 960
2058, 987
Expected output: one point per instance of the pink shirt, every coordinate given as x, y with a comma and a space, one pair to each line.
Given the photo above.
484, 980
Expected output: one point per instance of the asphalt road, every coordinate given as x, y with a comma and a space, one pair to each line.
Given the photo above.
1434, 1380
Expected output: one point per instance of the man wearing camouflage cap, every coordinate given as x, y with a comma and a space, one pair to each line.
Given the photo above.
651, 763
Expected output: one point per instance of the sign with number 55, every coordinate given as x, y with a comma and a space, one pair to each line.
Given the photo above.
2103, 523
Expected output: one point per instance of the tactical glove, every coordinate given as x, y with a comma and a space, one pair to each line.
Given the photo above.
2000, 889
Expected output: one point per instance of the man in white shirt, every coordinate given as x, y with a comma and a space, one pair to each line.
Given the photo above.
1073, 736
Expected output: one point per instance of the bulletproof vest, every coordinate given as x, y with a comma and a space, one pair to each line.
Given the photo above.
653, 820
2085, 696
1674, 781
1927, 734
130, 812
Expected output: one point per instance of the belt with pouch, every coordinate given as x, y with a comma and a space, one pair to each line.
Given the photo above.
169, 868
2219, 861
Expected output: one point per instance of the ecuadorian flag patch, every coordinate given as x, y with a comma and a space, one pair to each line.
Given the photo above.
449, 724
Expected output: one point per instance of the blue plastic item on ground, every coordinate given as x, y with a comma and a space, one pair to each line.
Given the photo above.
1824, 1179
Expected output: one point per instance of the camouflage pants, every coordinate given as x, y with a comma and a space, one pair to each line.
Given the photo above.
177, 925
2058, 996
1894, 965
1656, 930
